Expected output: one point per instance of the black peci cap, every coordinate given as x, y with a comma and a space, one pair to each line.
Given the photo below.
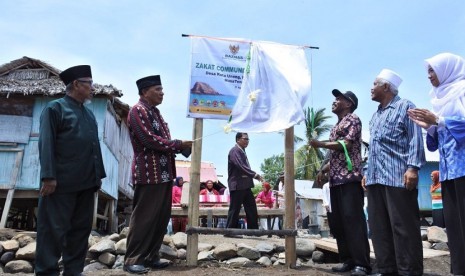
75, 72
148, 81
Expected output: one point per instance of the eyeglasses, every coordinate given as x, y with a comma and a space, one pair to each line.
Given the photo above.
90, 82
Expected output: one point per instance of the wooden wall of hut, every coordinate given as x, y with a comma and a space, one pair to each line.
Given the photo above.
20, 169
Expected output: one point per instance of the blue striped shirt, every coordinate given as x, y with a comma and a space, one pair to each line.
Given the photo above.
396, 143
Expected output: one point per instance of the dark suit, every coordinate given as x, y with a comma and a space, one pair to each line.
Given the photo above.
69, 151
240, 182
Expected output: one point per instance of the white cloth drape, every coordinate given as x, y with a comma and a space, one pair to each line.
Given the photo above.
275, 90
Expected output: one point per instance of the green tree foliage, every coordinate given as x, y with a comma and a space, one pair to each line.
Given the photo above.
271, 167
308, 159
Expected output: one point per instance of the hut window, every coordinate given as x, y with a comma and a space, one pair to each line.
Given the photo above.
16, 119
19, 106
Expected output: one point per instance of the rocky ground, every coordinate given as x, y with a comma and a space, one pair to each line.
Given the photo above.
212, 266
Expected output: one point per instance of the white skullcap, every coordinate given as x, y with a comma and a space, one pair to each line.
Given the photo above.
390, 76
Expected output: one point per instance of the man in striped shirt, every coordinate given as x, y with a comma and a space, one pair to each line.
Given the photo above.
395, 156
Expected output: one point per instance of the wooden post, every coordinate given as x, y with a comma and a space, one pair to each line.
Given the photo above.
194, 188
112, 218
12, 186
289, 196
94, 221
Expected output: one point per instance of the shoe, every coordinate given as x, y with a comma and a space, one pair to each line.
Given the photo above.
342, 268
360, 271
385, 274
135, 269
158, 264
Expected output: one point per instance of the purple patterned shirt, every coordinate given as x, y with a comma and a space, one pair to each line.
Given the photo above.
347, 129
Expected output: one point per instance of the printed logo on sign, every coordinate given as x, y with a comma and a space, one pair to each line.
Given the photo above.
234, 49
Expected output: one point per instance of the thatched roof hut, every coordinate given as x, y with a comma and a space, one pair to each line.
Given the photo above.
26, 86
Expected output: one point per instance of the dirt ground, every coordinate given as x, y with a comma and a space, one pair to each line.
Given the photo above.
432, 266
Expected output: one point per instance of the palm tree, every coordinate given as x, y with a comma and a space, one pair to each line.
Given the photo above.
308, 159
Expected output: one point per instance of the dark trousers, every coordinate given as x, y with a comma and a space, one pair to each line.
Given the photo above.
395, 227
453, 201
438, 218
348, 224
150, 216
64, 223
246, 198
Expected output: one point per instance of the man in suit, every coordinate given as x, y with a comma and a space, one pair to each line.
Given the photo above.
240, 183
71, 169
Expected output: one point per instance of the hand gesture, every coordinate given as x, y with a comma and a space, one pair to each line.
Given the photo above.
411, 179
422, 117
48, 187
186, 144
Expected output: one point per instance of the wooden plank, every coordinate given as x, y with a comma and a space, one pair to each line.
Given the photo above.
11, 192
193, 210
94, 221
113, 219
223, 212
289, 199
34, 194
329, 244
6, 208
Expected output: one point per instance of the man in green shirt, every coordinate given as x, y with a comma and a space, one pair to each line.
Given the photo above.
71, 172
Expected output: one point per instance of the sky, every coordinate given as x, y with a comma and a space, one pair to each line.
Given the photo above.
127, 40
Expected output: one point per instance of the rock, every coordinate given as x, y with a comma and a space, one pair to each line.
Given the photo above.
304, 247
94, 267
7, 257
124, 233
436, 234
27, 253
279, 248
440, 246
119, 262
264, 261
273, 259
205, 256
167, 240
182, 254
121, 247
93, 240
167, 252
24, 239
318, 257
204, 247
114, 237
239, 262
103, 246
282, 255
180, 240
11, 245
248, 252
265, 247
107, 259
225, 251
426, 244
18, 266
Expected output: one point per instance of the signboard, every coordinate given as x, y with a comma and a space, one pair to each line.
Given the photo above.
217, 70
